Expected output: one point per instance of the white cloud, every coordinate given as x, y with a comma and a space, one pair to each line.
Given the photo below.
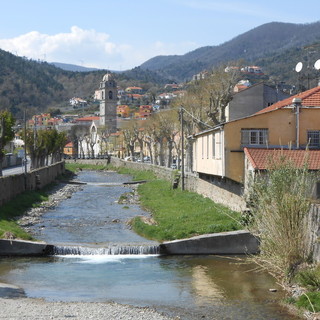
88, 48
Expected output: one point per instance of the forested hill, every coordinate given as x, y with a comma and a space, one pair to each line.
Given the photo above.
268, 39
40, 86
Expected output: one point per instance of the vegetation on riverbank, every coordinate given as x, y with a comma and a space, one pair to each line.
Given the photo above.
280, 205
176, 214
76, 166
9, 228
181, 214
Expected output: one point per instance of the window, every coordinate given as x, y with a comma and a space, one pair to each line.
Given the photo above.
213, 146
254, 136
314, 138
202, 147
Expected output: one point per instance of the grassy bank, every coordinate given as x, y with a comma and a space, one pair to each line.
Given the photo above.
181, 214
16, 207
177, 214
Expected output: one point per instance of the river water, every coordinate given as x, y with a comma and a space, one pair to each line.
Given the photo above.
192, 287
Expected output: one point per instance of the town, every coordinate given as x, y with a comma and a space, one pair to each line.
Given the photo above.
182, 184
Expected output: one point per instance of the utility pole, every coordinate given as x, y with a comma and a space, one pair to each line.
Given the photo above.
182, 148
25, 148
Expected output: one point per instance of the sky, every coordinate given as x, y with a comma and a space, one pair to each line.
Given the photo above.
122, 34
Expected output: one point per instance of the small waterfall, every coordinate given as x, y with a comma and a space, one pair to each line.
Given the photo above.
112, 250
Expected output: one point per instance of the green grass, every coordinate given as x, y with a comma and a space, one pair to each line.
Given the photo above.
180, 214
17, 207
137, 175
309, 278
309, 301
75, 167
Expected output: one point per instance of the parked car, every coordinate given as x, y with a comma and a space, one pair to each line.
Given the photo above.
130, 158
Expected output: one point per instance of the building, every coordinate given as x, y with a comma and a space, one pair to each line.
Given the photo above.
145, 111
258, 160
123, 111
293, 123
108, 103
69, 150
252, 99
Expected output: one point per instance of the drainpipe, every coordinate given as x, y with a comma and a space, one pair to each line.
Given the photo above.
297, 104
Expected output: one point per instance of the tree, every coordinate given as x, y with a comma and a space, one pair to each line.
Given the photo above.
6, 133
217, 91
43, 144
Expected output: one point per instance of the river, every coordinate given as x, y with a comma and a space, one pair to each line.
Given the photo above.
192, 287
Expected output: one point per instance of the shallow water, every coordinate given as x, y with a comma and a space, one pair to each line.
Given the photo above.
191, 286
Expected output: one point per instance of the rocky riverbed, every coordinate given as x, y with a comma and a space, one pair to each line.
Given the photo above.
56, 195
25, 308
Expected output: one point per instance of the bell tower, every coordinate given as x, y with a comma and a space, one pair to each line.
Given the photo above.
108, 103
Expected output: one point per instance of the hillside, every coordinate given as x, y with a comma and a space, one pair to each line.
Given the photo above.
73, 67
276, 47
265, 40
39, 86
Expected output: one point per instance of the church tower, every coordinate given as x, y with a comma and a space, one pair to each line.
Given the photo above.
108, 103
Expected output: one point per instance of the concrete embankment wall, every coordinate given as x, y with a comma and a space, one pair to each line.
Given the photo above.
223, 243
11, 186
24, 248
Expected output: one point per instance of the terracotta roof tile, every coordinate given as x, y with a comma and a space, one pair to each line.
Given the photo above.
88, 119
260, 158
310, 98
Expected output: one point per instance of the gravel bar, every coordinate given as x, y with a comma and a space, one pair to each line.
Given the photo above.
26, 308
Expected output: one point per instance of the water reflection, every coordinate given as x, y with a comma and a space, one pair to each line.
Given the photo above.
192, 286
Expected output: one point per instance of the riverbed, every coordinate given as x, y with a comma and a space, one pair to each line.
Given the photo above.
191, 287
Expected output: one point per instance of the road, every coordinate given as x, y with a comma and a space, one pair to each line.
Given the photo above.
15, 170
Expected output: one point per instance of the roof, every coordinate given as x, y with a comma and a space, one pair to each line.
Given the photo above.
69, 145
260, 158
88, 119
310, 98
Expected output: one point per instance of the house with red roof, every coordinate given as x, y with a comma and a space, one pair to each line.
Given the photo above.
69, 150
224, 154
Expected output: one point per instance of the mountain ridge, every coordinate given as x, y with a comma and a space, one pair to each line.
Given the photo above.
272, 37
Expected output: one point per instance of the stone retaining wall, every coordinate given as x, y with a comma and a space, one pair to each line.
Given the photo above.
11, 186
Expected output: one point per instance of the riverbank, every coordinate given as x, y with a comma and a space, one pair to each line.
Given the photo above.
56, 194
26, 308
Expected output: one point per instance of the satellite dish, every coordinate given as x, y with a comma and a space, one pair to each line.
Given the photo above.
317, 64
299, 66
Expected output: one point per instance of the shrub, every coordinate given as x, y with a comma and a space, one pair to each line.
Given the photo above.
279, 205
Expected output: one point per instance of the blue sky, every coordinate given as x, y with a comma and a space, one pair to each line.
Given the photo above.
122, 34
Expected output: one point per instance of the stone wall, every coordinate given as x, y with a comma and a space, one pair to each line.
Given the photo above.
11, 186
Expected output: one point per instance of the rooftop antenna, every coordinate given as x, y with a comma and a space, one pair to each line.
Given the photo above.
299, 66
317, 67
298, 69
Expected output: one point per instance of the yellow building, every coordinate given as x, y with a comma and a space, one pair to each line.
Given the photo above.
293, 123
123, 111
